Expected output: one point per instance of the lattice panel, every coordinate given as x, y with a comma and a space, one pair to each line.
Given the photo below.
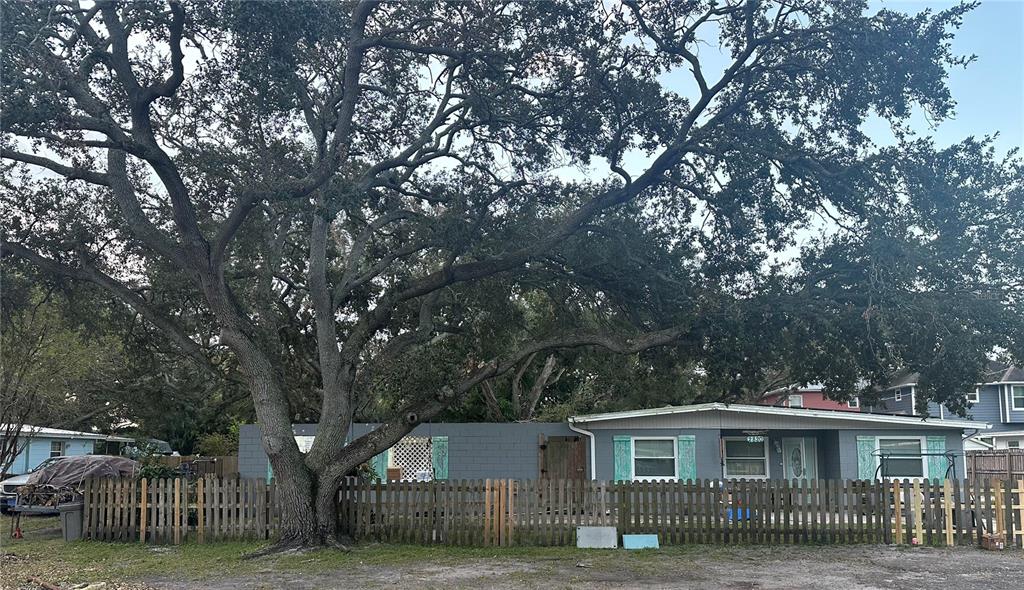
413, 455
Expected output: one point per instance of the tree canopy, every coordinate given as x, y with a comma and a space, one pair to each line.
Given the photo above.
376, 207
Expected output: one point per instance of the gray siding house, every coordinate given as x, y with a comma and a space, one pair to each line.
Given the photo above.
999, 401
681, 442
768, 442
446, 450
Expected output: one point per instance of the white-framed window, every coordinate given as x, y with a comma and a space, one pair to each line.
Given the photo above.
900, 457
56, 448
796, 401
974, 397
1013, 444
899, 395
654, 458
746, 459
1017, 397
853, 403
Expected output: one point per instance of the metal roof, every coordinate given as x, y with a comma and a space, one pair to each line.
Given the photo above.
780, 411
45, 432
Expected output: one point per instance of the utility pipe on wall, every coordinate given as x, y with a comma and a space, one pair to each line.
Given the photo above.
593, 446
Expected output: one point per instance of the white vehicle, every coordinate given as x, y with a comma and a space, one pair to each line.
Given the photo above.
9, 487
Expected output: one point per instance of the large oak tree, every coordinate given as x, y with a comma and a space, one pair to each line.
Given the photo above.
375, 207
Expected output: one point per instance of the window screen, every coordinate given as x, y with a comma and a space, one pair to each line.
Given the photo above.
654, 458
745, 459
901, 457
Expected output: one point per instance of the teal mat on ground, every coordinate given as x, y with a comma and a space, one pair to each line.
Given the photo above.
640, 542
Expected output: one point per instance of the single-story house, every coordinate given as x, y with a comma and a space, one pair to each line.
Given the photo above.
43, 443
680, 442
766, 442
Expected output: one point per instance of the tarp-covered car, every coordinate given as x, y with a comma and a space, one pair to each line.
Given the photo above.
62, 481
9, 487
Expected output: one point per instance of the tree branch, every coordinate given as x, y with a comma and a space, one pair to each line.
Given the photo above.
93, 275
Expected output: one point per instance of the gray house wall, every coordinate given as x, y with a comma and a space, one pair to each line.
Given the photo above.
828, 447
987, 408
1014, 418
887, 402
475, 450
848, 447
837, 449
993, 407
707, 450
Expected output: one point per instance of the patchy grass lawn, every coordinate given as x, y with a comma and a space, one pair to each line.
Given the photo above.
42, 553
220, 566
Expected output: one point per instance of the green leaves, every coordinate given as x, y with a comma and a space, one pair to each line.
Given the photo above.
501, 174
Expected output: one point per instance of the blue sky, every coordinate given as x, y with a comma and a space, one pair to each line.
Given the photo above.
990, 91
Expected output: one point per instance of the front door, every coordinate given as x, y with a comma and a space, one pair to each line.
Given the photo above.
800, 458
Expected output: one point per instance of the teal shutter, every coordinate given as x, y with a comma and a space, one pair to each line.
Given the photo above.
380, 465
866, 463
687, 457
270, 471
439, 456
623, 449
936, 463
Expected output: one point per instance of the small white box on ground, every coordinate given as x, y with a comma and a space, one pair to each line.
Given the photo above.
596, 537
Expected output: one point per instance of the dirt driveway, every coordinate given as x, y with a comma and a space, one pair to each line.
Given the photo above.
741, 568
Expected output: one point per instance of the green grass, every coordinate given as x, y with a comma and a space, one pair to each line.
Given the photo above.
42, 553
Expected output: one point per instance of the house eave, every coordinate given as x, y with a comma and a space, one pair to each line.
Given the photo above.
783, 411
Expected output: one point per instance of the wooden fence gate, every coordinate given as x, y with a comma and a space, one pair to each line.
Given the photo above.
562, 457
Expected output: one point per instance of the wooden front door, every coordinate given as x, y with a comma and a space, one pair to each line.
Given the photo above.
563, 457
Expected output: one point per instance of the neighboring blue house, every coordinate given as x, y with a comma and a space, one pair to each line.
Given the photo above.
44, 443
998, 400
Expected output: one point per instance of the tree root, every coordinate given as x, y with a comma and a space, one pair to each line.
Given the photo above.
297, 546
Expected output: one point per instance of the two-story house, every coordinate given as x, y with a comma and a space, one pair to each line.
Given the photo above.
806, 396
998, 400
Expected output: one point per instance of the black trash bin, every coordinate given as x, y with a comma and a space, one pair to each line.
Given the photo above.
71, 520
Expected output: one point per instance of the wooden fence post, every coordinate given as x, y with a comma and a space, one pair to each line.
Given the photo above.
947, 490
1018, 529
200, 515
177, 510
143, 501
997, 508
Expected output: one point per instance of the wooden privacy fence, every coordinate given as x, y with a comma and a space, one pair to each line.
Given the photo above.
547, 512
176, 510
999, 463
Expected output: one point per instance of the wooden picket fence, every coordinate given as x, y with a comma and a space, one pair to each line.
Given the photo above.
176, 510
547, 512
